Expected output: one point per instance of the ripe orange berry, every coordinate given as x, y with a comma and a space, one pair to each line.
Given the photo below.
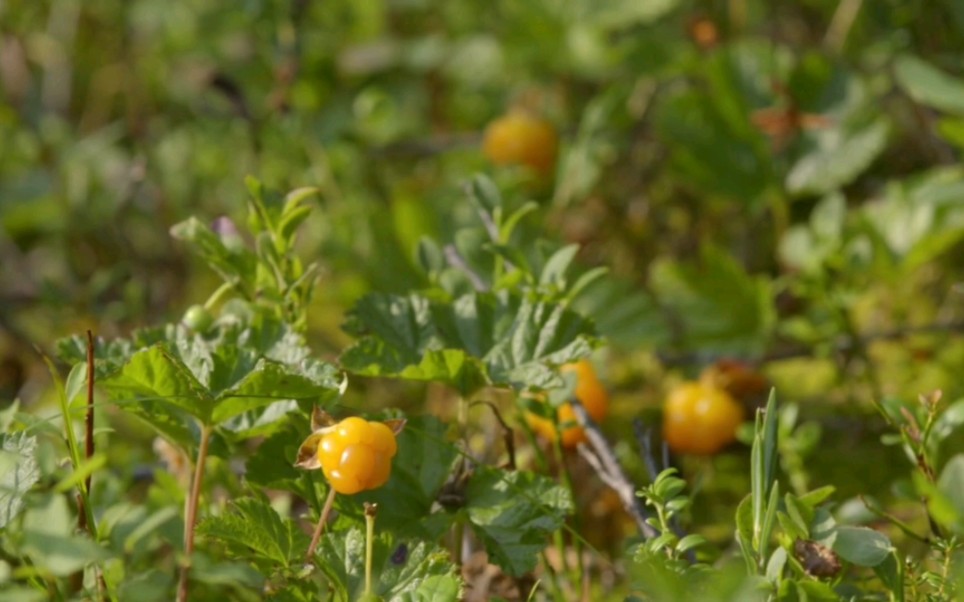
700, 419
519, 138
589, 391
356, 455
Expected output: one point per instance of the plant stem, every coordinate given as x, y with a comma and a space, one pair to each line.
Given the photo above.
217, 295
602, 458
370, 511
316, 536
458, 539
190, 515
89, 452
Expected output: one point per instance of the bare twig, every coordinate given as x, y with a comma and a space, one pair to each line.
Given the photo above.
89, 443
507, 434
455, 259
89, 452
602, 458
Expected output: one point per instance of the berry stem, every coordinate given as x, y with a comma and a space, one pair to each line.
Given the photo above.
190, 519
370, 511
319, 529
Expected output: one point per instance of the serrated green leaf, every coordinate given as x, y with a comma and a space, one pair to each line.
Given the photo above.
18, 473
156, 375
271, 381
477, 339
513, 514
404, 570
251, 527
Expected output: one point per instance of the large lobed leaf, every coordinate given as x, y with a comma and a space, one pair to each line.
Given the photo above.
252, 528
244, 376
717, 304
477, 339
403, 569
513, 513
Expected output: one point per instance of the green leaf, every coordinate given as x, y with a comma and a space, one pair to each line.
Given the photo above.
837, 159
513, 514
799, 514
420, 468
621, 14
87, 467
862, 546
403, 569
271, 381
251, 527
554, 271
477, 339
719, 307
951, 485
891, 574
153, 585
929, 85
484, 194
706, 127
47, 539
221, 573
814, 498
689, 542
775, 564
157, 375
231, 265
18, 473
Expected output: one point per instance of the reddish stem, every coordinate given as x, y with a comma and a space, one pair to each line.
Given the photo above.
316, 537
190, 518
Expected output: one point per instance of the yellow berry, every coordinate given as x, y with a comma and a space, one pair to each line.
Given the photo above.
356, 455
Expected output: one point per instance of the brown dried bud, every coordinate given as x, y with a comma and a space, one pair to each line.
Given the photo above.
817, 559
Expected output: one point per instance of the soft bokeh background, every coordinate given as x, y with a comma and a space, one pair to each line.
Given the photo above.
778, 182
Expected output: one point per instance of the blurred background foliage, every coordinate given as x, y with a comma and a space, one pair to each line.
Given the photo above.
778, 182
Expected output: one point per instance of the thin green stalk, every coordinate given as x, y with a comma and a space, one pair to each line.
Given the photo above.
458, 539
567, 483
86, 511
218, 295
190, 518
557, 592
370, 511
